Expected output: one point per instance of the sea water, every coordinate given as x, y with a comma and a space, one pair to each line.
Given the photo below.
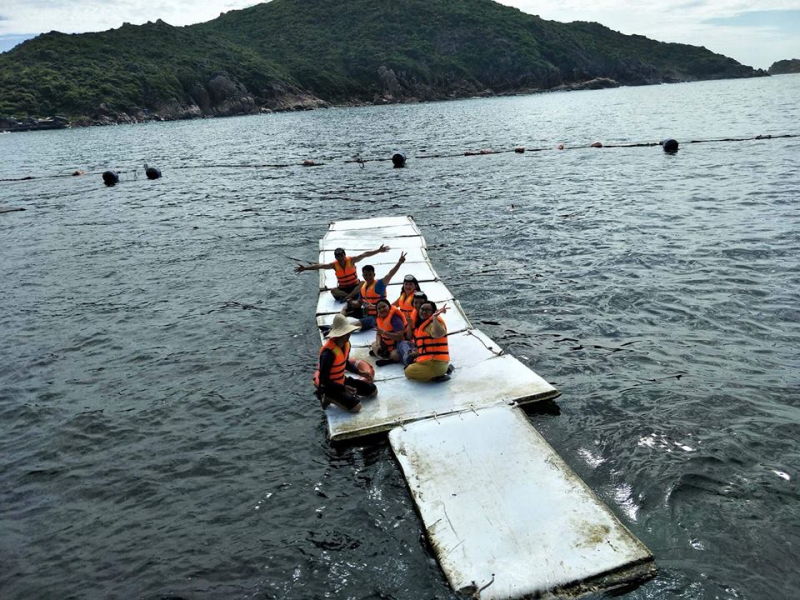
158, 434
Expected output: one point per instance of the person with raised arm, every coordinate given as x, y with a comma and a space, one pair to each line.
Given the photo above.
430, 359
373, 290
348, 284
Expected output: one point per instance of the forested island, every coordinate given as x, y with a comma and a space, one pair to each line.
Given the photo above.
784, 67
303, 54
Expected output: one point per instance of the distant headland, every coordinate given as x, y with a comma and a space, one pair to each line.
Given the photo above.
782, 67
306, 54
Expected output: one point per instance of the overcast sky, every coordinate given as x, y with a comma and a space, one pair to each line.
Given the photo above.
756, 33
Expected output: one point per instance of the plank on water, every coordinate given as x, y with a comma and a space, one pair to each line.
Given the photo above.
491, 381
355, 244
505, 513
373, 223
397, 231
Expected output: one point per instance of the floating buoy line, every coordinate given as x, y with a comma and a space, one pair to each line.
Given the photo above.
398, 159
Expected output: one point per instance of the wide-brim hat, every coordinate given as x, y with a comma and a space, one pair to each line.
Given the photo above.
342, 326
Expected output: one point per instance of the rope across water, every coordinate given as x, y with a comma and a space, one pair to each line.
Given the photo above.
134, 173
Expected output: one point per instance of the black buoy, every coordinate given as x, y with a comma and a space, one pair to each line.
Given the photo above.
110, 178
152, 172
670, 146
399, 160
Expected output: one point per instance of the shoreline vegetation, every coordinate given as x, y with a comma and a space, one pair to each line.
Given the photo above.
289, 55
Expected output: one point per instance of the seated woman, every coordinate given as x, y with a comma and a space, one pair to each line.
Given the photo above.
391, 329
430, 359
405, 301
411, 317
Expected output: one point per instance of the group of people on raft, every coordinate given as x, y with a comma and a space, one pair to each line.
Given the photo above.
409, 331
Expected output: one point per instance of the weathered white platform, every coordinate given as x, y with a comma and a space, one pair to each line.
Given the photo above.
391, 231
355, 245
505, 515
483, 376
503, 510
374, 223
498, 380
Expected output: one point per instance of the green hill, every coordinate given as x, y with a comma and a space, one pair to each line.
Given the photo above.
304, 53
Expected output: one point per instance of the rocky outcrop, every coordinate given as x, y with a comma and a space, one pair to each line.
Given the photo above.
784, 67
280, 96
31, 124
597, 83
220, 96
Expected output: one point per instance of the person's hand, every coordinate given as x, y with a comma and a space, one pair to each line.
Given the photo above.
383, 248
440, 311
299, 269
380, 331
402, 258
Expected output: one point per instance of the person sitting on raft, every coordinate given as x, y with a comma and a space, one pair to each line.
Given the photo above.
346, 274
373, 290
334, 359
430, 359
411, 319
391, 329
355, 310
405, 301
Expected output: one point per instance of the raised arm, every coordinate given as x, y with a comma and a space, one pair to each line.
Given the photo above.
383, 248
314, 267
387, 278
436, 328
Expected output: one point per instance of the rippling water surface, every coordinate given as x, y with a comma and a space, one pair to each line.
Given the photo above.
158, 437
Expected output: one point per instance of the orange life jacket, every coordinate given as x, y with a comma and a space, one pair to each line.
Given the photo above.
368, 294
339, 365
346, 276
410, 320
430, 348
405, 303
386, 325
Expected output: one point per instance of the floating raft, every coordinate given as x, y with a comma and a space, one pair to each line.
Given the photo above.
504, 512
506, 517
484, 375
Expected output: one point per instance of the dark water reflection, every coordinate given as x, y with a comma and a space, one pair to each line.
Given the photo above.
158, 434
